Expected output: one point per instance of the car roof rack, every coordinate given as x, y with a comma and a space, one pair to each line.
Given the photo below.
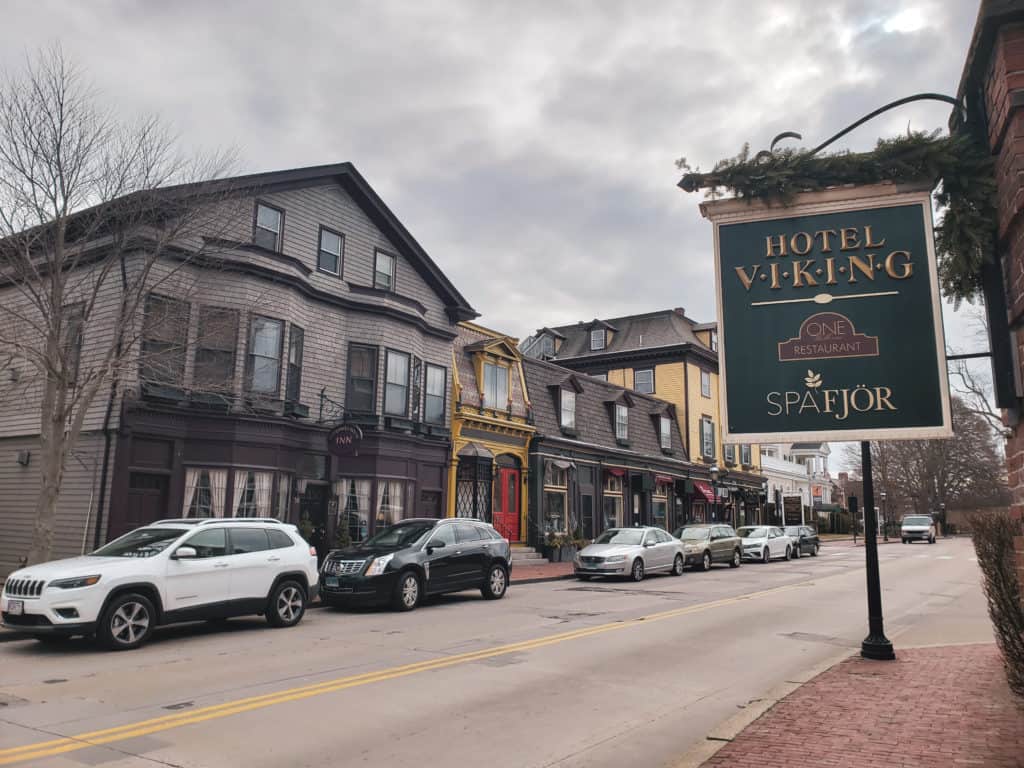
212, 520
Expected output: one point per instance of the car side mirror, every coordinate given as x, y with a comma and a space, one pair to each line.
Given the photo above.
434, 545
184, 553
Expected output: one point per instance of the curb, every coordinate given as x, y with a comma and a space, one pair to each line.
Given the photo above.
729, 729
541, 579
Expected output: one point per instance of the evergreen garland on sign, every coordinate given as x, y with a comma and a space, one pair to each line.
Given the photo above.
961, 168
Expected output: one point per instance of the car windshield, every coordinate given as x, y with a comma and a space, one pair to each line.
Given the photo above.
145, 542
792, 530
620, 536
401, 535
758, 532
692, 534
920, 520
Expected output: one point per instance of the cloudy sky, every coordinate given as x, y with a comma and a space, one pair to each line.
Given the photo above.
529, 146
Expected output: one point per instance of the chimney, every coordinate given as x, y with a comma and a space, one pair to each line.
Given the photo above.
680, 311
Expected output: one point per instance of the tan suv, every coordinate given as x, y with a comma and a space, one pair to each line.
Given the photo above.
707, 544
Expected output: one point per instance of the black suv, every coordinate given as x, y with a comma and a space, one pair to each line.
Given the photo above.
420, 556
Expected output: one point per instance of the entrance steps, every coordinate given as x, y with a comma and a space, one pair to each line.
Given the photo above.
523, 555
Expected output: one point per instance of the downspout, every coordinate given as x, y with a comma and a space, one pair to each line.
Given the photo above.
98, 530
686, 413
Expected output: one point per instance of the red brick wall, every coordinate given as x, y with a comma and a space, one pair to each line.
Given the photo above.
1005, 76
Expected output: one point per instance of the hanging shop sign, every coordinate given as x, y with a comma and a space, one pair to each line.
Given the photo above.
830, 325
344, 440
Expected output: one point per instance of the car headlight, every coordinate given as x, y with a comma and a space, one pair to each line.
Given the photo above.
690, 548
751, 546
378, 564
81, 581
615, 559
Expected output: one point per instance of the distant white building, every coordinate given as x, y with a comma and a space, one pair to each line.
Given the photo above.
797, 470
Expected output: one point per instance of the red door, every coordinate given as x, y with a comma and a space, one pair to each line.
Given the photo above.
506, 504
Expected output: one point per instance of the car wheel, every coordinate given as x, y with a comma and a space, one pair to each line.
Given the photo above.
765, 556
789, 552
798, 551
637, 573
705, 563
677, 566
126, 623
814, 552
287, 604
407, 592
737, 558
903, 541
496, 585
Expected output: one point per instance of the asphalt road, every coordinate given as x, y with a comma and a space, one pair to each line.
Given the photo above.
556, 674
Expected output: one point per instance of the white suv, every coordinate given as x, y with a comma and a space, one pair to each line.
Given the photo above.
167, 572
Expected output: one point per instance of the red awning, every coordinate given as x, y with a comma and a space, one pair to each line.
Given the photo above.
615, 471
663, 479
704, 490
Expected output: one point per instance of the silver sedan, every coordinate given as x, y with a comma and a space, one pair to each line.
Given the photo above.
631, 552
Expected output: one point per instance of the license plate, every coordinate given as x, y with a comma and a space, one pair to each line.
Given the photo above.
16, 607
332, 581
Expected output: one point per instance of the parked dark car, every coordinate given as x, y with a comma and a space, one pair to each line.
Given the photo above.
805, 540
417, 557
704, 545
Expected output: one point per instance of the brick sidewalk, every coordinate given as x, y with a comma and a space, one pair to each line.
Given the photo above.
524, 574
932, 707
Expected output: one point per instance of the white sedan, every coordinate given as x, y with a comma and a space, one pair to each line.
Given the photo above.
765, 542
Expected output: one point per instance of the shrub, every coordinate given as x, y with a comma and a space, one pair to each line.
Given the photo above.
993, 542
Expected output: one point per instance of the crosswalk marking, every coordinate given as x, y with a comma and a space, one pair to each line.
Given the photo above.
944, 557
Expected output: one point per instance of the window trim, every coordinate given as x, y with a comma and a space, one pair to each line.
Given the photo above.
388, 351
279, 245
426, 392
562, 392
199, 346
377, 252
319, 250
665, 436
625, 409
187, 306
508, 384
604, 339
348, 377
705, 373
249, 368
643, 370
709, 421
292, 328
729, 453
746, 454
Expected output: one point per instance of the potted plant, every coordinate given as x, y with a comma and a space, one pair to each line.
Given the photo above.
559, 548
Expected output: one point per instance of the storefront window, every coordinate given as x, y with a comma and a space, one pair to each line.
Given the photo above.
473, 489
554, 511
390, 502
204, 492
555, 475
659, 505
612, 483
612, 511
283, 503
252, 493
354, 506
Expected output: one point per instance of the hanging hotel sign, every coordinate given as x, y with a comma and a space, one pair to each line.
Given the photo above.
344, 440
830, 326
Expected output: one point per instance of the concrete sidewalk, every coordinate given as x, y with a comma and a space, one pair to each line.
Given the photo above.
932, 707
531, 574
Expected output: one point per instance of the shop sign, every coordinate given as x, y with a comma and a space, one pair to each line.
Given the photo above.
344, 440
829, 321
792, 510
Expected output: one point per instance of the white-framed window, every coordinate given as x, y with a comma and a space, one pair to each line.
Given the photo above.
705, 384
745, 453
396, 388
547, 345
328, 257
266, 337
707, 437
267, 227
568, 409
714, 341
495, 386
621, 422
204, 492
601, 376
384, 271
643, 381
729, 450
597, 339
436, 385
666, 433
252, 496
390, 502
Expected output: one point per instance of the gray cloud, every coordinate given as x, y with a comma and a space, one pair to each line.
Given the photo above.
528, 146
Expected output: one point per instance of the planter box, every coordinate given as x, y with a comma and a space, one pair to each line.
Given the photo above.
563, 554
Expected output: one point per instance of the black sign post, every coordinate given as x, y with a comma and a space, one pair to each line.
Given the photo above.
876, 645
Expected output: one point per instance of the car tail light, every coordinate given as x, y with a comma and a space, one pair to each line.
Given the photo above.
312, 551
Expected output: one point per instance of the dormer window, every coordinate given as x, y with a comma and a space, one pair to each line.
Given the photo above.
621, 422
666, 433
495, 386
597, 339
547, 346
567, 409
268, 226
714, 341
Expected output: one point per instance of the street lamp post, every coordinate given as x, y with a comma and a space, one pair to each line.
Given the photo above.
942, 516
714, 471
885, 516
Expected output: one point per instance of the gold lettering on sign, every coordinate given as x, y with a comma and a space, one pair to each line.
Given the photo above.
848, 239
906, 268
801, 250
771, 242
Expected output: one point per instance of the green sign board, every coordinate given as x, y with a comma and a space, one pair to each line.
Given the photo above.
830, 325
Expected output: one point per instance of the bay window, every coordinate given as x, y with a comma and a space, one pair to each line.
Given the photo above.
396, 384
266, 336
434, 405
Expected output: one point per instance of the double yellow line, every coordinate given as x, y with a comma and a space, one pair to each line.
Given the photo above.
43, 749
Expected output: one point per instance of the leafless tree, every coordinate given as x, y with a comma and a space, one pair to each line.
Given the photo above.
93, 216
920, 475
971, 379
